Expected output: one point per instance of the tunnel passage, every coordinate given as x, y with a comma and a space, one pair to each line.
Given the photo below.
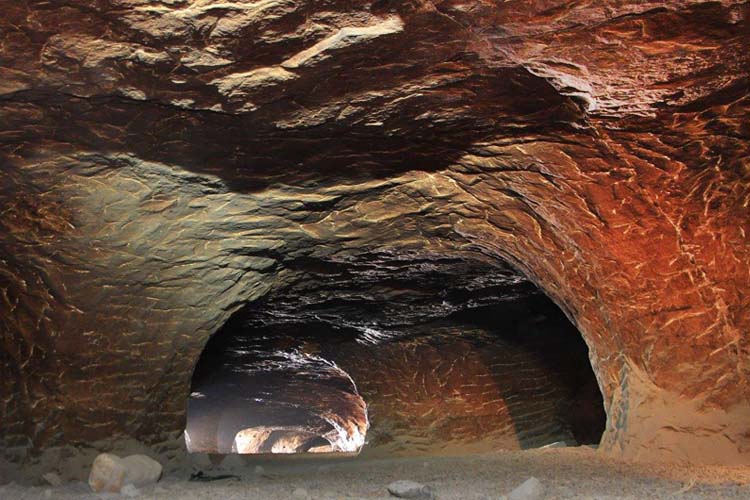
250, 397
449, 356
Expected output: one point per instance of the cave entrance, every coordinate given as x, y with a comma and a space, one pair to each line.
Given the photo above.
413, 356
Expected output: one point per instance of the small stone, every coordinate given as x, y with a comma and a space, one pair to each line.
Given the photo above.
109, 473
141, 470
52, 479
48, 493
130, 491
531, 489
300, 493
259, 470
411, 490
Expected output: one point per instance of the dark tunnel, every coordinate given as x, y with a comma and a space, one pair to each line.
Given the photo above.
437, 356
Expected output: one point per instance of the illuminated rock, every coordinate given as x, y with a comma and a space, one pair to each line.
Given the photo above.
251, 440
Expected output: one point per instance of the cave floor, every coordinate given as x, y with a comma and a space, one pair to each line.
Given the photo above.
564, 472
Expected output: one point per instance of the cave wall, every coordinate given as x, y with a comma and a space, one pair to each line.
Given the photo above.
164, 162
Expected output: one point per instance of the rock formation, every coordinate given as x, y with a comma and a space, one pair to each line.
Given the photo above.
165, 162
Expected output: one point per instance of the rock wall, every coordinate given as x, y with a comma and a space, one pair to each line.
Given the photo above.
164, 162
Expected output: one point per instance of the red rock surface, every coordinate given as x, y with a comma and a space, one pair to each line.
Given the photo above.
164, 162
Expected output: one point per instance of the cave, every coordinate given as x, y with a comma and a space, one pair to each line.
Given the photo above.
370, 193
487, 364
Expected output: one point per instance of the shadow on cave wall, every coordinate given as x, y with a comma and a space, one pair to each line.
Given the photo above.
448, 357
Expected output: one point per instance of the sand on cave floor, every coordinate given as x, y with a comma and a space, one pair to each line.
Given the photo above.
564, 472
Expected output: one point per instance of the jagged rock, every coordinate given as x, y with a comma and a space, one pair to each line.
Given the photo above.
411, 489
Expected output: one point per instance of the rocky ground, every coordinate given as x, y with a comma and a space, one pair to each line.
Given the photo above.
563, 472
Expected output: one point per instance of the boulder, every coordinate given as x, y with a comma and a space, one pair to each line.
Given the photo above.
110, 473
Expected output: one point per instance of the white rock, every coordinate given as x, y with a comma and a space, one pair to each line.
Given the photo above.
48, 493
52, 479
411, 489
109, 473
141, 470
129, 491
531, 489
300, 493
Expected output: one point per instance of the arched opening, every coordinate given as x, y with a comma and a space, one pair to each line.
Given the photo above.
252, 396
396, 355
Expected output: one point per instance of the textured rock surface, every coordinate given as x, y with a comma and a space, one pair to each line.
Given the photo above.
163, 162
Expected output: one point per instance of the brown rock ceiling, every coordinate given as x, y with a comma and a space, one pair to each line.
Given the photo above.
165, 162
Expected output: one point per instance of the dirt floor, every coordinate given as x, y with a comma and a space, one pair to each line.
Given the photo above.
564, 473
